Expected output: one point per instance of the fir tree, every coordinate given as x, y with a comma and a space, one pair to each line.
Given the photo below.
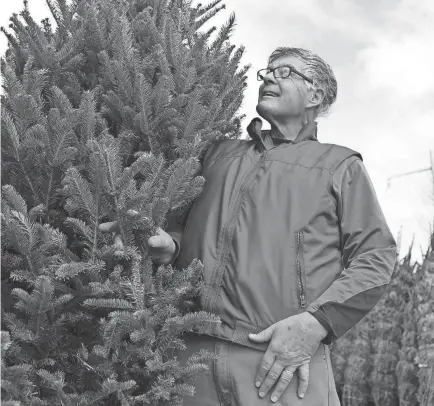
339, 353
387, 358
355, 389
385, 338
112, 111
425, 326
406, 368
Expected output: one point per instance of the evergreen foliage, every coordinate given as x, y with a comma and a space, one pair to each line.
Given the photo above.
356, 391
111, 111
388, 358
424, 304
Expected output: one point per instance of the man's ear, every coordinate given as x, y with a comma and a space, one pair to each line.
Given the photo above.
315, 96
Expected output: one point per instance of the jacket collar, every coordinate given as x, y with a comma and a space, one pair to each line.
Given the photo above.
264, 140
308, 132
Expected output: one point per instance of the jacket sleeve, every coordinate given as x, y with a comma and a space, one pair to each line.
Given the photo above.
368, 252
176, 226
176, 237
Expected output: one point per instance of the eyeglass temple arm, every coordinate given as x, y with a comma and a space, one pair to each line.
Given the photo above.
303, 76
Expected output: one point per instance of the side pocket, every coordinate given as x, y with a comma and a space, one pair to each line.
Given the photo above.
300, 268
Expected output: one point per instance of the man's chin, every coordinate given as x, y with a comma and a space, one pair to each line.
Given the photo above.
263, 109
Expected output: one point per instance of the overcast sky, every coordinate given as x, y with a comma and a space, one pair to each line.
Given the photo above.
382, 54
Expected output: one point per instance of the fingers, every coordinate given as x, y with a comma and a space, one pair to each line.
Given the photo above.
285, 379
266, 363
109, 226
264, 335
273, 370
271, 378
118, 241
157, 242
160, 240
286, 376
303, 380
112, 226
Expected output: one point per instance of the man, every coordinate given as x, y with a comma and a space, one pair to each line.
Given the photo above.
295, 247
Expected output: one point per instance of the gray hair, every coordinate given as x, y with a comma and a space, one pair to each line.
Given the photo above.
317, 69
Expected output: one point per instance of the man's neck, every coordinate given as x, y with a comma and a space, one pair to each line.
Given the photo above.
290, 128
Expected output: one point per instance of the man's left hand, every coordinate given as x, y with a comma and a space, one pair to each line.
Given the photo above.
293, 342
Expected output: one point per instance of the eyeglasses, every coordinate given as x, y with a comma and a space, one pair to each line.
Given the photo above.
281, 72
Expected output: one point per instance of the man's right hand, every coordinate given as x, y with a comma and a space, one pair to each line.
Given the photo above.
162, 248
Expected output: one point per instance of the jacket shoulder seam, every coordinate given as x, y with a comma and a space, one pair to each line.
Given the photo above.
218, 158
354, 155
330, 190
297, 164
332, 173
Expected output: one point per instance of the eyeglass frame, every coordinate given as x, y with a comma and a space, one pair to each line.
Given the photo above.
291, 69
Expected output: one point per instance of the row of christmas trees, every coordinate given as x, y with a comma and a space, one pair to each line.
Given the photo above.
388, 358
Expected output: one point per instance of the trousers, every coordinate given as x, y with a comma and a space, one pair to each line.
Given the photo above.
230, 378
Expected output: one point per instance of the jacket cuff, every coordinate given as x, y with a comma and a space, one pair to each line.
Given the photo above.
321, 316
176, 237
342, 316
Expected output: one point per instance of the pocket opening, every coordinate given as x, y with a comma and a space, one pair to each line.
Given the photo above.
301, 275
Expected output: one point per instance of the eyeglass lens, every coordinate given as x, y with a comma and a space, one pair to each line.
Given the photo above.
280, 72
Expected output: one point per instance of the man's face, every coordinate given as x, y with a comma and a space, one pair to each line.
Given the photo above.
290, 94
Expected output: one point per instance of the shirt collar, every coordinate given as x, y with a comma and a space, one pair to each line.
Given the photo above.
308, 132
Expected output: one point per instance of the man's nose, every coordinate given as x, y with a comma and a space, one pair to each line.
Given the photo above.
269, 77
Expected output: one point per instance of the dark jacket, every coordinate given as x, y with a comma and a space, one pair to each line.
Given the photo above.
284, 227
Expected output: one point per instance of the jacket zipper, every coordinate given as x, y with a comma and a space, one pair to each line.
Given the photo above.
301, 287
227, 236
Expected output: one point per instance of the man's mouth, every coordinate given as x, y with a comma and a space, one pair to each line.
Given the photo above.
269, 94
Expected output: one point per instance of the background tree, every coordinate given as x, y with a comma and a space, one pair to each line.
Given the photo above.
111, 111
388, 357
425, 326
385, 339
340, 351
406, 368
355, 391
